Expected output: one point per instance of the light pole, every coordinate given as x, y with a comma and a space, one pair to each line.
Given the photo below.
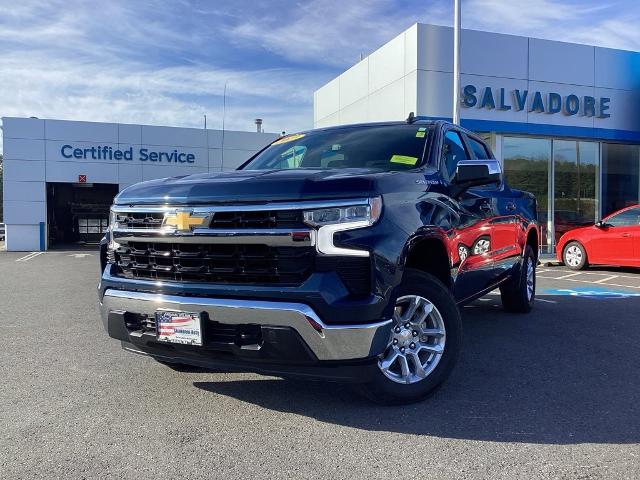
456, 62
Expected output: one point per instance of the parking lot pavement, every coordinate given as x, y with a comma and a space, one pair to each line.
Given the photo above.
552, 394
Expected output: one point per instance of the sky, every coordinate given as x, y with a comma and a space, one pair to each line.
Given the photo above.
167, 62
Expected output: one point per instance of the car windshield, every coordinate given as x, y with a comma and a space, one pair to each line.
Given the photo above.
383, 147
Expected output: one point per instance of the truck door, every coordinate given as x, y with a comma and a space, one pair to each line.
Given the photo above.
500, 207
471, 235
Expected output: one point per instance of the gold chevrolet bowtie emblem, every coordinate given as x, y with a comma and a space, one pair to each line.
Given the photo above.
184, 221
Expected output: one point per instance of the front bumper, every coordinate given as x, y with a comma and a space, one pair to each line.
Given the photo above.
277, 320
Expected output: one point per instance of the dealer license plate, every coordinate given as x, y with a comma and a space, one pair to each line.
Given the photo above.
178, 327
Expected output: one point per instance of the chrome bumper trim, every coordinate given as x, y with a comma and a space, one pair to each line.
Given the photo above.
273, 237
327, 342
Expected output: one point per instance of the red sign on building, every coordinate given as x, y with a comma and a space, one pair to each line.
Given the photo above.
82, 179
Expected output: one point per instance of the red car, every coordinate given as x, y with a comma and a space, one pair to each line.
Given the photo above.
615, 240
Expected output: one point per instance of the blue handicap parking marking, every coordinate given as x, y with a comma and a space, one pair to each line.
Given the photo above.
589, 292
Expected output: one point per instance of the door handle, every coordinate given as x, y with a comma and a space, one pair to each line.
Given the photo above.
511, 206
626, 234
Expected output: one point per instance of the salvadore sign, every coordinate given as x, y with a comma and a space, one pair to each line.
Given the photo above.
127, 154
502, 99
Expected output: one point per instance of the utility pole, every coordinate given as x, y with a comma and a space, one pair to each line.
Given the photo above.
224, 114
456, 62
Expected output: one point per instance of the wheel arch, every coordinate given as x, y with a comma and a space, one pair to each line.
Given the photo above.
560, 246
428, 252
566, 240
533, 240
576, 240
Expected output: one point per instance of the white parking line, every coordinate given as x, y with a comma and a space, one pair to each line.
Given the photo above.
538, 299
551, 270
591, 283
606, 279
567, 276
29, 256
609, 273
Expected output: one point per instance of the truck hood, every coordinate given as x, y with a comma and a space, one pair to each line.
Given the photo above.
255, 186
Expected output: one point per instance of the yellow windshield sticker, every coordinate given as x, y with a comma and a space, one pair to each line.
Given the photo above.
420, 134
288, 138
404, 159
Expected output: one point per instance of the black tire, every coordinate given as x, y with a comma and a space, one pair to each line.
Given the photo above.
578, 248
515, 294
382, 389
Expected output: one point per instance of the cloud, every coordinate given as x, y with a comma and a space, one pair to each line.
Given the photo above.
335, 32
64, 61
611, 25
138, 93
166, 62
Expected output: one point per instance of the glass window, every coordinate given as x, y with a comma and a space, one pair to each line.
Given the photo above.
479, 149
383, 147
453, 151
625, 219
576, 185
526, 167
620, 176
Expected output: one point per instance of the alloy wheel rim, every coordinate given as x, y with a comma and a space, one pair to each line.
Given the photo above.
573, 256
481, 247
416, 343
531, 282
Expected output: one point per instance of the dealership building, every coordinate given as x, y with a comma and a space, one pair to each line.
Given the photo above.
563, 118
60, 177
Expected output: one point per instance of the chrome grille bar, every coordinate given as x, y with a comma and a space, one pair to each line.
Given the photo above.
274, 237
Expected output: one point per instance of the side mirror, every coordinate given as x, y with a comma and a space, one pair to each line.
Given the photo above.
600, 224
472, 173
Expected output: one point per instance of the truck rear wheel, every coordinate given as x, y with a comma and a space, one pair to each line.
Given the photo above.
423, 344
519, 292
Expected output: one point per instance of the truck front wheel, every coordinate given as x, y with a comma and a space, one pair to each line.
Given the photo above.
423, 345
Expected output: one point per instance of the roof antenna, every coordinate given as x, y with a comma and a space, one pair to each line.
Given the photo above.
411, 118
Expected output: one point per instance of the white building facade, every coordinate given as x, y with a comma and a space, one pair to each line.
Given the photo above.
60, 176
563, 118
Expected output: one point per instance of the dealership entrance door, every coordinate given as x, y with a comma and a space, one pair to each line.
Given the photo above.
563, 174
78, 213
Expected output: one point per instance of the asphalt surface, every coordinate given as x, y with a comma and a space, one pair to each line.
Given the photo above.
552, 394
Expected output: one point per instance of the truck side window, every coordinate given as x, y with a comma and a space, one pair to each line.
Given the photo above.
479, 149
453, 151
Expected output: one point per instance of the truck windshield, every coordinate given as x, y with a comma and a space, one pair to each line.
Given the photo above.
383, 147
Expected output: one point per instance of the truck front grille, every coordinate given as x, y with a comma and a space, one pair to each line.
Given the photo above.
237, 244
215, 263
258, 219
224, 220
138, 220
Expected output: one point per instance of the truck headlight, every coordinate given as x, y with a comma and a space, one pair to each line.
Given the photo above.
113, 245
331, 220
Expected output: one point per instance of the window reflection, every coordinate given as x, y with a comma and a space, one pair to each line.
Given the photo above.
526, 167
620, 173
575, 185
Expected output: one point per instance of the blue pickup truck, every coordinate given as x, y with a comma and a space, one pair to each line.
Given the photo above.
340, 253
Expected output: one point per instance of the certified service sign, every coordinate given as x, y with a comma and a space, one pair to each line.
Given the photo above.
128, 154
